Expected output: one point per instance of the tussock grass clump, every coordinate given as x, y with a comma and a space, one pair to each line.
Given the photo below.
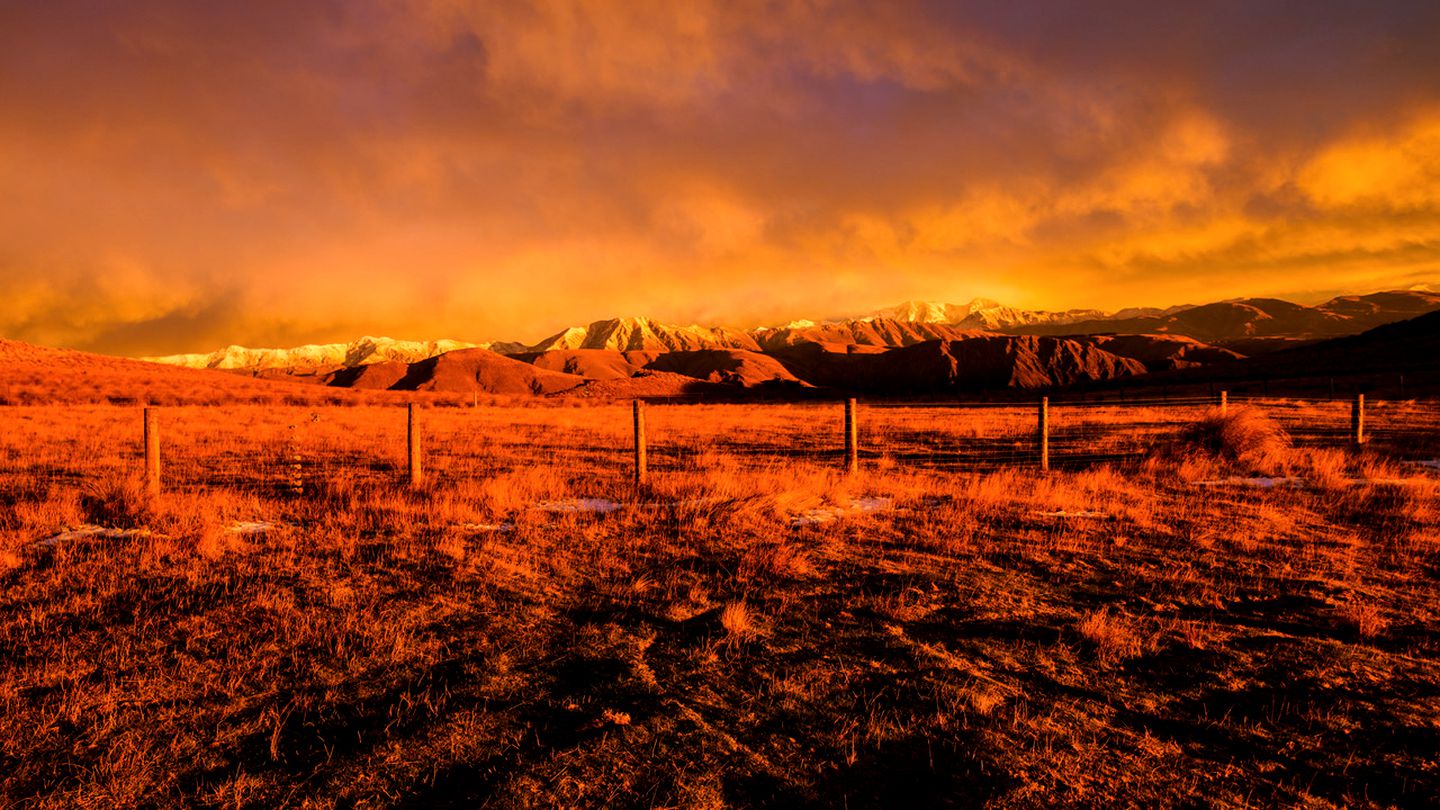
1113, 636
1243, 437
1363, 618
739, 622
120, 502
774, 561
1327, 469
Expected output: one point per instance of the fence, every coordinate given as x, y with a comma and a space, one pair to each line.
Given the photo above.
292, 449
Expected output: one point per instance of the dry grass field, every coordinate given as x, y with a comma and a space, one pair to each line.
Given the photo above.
1189, 610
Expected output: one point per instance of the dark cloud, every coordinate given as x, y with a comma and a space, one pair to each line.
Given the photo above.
187, 174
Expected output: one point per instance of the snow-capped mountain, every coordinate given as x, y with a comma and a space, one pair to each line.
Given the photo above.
640, 334
901, 325
360, 352
981, 313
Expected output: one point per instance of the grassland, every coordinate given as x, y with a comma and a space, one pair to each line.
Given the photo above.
1151, 624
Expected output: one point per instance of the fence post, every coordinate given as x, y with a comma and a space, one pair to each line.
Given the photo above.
152, 451
852, 438
1357, 420
642, 474
1042, 439
413, 441
1224, 403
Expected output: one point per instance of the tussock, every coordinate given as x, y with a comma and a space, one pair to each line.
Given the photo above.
1244, 438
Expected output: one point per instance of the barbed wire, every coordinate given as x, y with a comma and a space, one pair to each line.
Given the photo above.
288, 450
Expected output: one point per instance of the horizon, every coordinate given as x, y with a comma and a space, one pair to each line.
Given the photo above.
1313, 300
200, 175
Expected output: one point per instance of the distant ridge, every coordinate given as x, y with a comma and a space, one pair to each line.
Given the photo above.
1225, 330
363, 351
1250, 318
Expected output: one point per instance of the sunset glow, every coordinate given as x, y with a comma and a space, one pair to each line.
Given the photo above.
179, 176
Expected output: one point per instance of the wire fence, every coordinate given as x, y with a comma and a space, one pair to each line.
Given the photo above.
297, 449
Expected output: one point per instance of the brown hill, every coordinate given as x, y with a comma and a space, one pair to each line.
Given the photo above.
462, 371
37, 375
726, 366
596, 364
981, 363
649, 385
1161, 352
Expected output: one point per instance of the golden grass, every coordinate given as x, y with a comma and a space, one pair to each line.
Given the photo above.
755, 627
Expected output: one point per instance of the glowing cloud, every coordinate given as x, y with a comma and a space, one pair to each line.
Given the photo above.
184, 175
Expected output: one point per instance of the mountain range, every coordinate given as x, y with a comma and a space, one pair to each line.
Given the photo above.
1244, 326
879, 354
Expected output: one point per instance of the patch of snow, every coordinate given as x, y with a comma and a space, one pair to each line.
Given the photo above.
1061, 513
1432, 463
88, 531
830, 514
487, 527
250, 527
599, 505
1261, 482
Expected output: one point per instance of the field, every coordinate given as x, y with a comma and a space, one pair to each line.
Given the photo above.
1190, 609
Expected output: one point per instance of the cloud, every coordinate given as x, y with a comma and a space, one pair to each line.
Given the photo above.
184, 174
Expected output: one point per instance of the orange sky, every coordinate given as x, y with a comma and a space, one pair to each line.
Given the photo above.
177, 176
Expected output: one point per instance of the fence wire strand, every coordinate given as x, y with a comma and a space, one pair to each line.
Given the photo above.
299, 449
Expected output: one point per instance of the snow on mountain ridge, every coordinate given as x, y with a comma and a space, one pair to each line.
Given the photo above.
363, 351
640, 333
980, 313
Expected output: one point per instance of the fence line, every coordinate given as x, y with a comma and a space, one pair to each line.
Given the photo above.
886, 435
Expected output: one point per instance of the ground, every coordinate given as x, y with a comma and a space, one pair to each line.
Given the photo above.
1161, 631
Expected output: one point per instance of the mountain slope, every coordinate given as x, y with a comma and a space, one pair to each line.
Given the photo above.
873, 332
1161, 352
461, 371
1407, 346
733, 367
974, 364
644, 334
981, 313
595, 364
1261, 318
316, 356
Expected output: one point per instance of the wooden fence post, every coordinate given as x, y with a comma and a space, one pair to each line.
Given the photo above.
413, 441
1224, 403
852, 438
1357, 420
642, 473
1042, 439
152, 451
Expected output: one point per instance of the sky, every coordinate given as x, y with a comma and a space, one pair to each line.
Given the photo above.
179, 176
